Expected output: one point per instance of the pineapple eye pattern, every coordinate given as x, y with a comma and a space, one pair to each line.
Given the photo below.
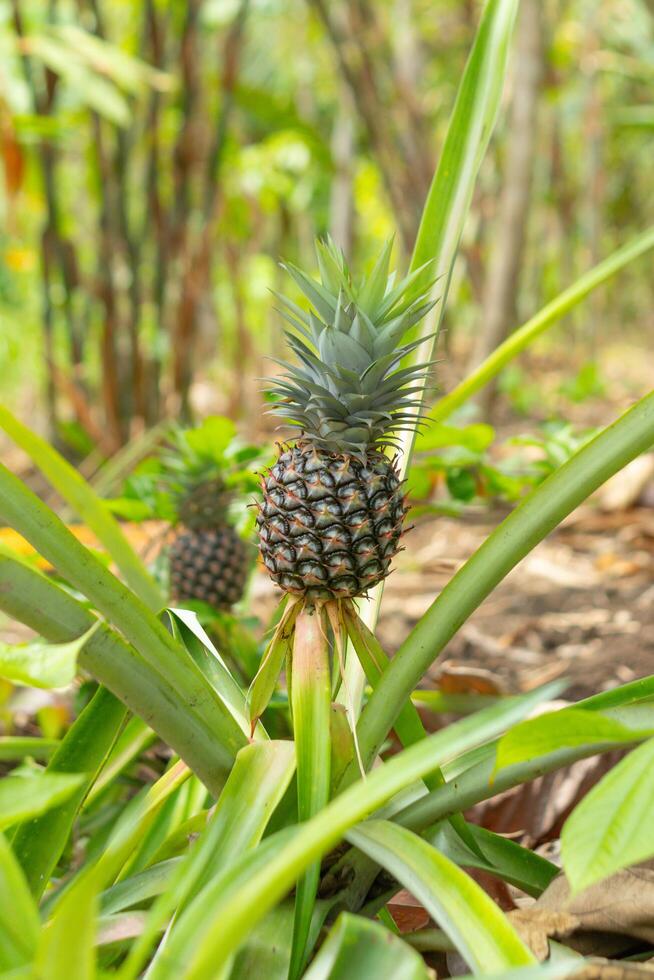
337, 545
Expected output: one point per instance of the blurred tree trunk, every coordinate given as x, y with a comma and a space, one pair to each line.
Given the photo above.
341, 202
196, 250
386, 104
503, 275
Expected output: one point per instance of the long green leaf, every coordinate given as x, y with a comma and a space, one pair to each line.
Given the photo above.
39, 664
561, 730
311, 704
530, 522
22, 509
25, 796
541, 321
91, 509
469, 131
612, 826
472, 920
448, 202
39, 843
126, 836
19, 915
206, 656
137, 889
360, 948
256, 784
475, 779
35, 600
134, 738
67, 950
237, 899
13, 747
408, 725
503, 858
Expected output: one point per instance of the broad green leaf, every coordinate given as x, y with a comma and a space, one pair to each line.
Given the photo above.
311, 706
23, 797
75, 490
562, 730
14, 747
236, 899
472, 776
67, 950
612, 826
358, 947
212, 438
41, 664
19, 916
39, 843
260, 776
480, 931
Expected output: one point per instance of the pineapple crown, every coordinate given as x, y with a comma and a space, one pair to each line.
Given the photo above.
194, 478
349, 392
204, 467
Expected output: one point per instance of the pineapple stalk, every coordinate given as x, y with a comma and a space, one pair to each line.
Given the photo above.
311, 705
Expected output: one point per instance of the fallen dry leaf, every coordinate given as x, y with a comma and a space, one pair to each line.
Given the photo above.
599, 969
608, 919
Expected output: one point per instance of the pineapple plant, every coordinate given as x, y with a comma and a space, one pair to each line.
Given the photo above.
202, 470
199, 483
333, 505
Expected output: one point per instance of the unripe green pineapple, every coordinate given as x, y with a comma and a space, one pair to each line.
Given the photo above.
333, 505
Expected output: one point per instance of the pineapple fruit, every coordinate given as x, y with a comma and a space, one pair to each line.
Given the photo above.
208, 560
201, 470
333, 506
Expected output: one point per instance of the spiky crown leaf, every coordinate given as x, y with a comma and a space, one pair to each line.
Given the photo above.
209, 457
349, 392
